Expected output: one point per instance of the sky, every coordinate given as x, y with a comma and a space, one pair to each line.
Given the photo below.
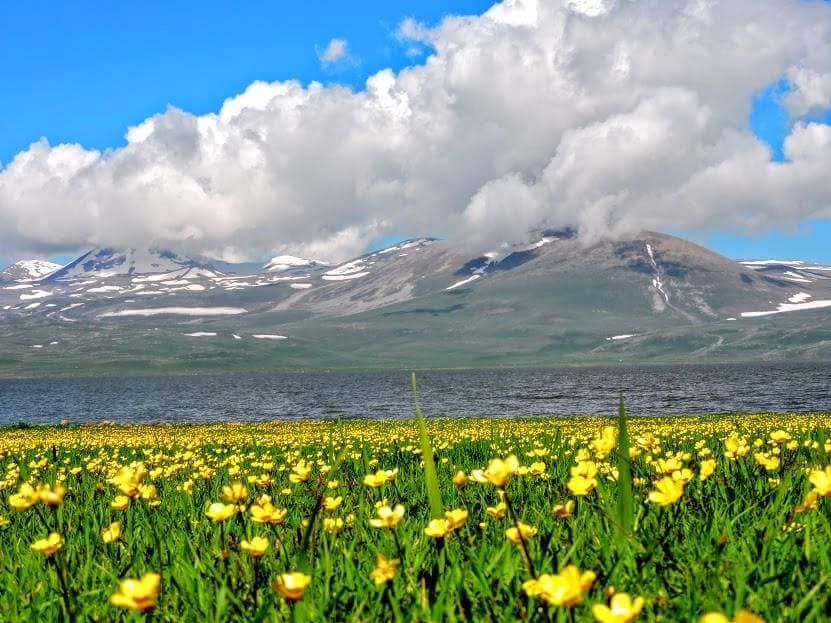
322, 128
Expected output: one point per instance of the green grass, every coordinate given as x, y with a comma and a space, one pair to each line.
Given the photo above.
721, 547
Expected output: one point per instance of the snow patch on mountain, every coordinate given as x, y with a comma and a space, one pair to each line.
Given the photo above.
459, 284
176, 311
788, 307
283, 263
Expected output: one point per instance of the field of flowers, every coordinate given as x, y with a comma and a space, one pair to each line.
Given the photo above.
711, 519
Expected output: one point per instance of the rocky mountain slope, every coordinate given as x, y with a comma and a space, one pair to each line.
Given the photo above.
424, 302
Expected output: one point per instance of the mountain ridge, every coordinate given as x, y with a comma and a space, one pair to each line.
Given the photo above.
553, 300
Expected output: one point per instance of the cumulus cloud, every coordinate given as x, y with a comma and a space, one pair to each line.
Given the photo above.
336, 50
606, 115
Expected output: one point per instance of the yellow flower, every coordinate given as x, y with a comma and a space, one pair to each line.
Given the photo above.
586, 469
438, 528
138, 594
26, 497
120, 503
388, 517
809, 503
605, 442
498, 511
292, 585
384, 570
735, 447
330, 503
563, 589
112, 532
218, 511
537, 468
821, 479
563, 511
256, 547
333, 525
770, 463
51, 496
499, 471
742, 616
236, 492
460, 479
526, 531
300, 472
48, 546
267, 513
456, 518
668, 491
376, 480
623, 609
708, 466
580, 485
128, 479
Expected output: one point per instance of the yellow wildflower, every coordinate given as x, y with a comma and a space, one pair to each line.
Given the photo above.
438, 528
112, 532
456, 518
563, 589
499, 471
621, 609
708, 466
256, 547
564, 510
821, 479
498, 511
668, 491
384, 570
292, 585
387, 517
138, 594
234, 493
513, 534
218, 511
48, 546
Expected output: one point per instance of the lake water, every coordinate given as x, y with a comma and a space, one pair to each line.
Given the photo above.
649, 390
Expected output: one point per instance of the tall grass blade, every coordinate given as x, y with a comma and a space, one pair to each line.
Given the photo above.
430, 475
626, 496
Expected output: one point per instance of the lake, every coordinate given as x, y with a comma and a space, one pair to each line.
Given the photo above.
649, 390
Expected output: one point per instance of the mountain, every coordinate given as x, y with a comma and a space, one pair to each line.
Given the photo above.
555, 299
103, 263
28, 270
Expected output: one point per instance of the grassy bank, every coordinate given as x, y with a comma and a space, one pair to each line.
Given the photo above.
694, 515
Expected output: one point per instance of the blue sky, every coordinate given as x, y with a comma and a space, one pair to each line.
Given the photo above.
85, 71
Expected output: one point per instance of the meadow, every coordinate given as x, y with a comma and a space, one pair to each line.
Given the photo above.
708, 519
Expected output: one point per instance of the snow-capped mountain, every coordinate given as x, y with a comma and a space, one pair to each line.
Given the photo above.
28, 270
104, 262
552, 299
284, 263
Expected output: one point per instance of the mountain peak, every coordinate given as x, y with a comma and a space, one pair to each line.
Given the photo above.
28, 270
109, 262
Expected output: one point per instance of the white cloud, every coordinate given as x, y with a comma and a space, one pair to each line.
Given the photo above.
336, 50
610, 116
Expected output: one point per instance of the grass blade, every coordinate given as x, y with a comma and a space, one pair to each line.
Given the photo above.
430, 475
626, 497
